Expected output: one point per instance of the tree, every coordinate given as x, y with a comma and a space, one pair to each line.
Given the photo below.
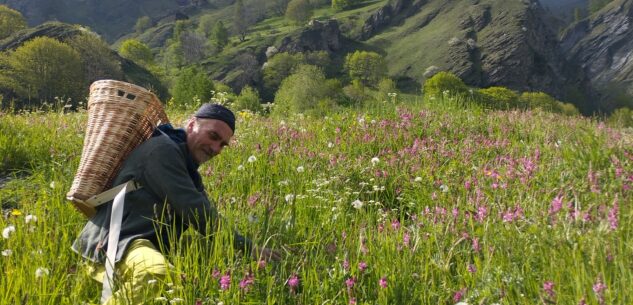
220, 35
299, 11
136, 51
45, 68
192, 87
306, 91
368, 67
142, 24
97, 59
344, 4
11, 21
240, 22
444, 82
248, 100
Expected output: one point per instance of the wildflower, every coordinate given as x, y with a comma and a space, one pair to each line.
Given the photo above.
6, 233
16, 212
52, 185
599, 288
548, 287
444, 188
476, 246
330, 145
252, 159
41, 271
613, 215
382, 282
247, 281
459, 295
160, 299
261, 264
405, 239
225, 281
176, 300
417, 179
375, 161
362, 266
7, 252
30, 218
293, 282
350, 282
345, 264
357, 204
352, 301
557, 204
472, 268
300, 169
240, 167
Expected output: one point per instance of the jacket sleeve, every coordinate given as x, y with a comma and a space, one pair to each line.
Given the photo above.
166, 175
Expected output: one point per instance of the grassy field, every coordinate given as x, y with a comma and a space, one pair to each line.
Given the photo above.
417, 203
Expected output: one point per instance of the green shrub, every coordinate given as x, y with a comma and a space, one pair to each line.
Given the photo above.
387, 90
248, 100
621, 117
499, 98
356, 93
543, 101
306, 91
192, 88
444, 83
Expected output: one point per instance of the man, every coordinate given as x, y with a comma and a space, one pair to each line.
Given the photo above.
166, 166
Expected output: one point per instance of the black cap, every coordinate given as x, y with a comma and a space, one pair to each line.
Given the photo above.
217, 112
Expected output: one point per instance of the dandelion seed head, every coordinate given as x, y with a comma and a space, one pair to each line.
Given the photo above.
7, 252
30, 218
252, 159
41, 271
6, 232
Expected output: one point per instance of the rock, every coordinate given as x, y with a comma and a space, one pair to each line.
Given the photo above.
318, 36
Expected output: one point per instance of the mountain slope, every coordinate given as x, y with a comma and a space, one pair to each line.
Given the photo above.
603, 46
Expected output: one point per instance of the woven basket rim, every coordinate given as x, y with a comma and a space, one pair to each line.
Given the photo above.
102, 82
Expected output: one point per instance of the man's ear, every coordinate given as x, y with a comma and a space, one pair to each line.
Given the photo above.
190, 124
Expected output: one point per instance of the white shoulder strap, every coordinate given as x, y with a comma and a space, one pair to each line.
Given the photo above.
108, 195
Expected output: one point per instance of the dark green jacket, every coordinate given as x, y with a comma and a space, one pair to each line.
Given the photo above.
170, 200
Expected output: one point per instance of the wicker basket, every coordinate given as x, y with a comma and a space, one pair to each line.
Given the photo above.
120, 117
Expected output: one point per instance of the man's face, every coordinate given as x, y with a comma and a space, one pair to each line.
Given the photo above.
206, 138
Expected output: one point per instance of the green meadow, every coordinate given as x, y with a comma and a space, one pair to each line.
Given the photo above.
404, 202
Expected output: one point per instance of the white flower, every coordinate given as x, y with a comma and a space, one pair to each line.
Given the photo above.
41, 271
300, 169
357, 204
444, 188
30, 218
6, 233
7, 252
361, 121
418, 179
252, 159
152, 282
161, 299
52, 185
240, 168
330, 145
289, 198
375, 160
176, 300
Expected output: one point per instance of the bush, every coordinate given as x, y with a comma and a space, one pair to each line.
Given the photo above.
387, 90
444, 82
137, 51
306, 91
248, 100
356, 93
11, 21
192, 88
499, 98
621, 117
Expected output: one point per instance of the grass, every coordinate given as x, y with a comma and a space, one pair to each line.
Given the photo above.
442, 202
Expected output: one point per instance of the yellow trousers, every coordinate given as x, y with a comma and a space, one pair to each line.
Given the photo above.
140, 274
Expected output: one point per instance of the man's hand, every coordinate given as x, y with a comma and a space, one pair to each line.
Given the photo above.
265, 254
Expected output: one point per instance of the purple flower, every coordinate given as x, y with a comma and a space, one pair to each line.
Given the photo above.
345, 264
548, 287
405, 239
352, 301
459, 295
395, 224
476, 246
362, 266
613, 215
350, 282
293, 283
472, 268
557, 204
383, 282
247, 281
225, 281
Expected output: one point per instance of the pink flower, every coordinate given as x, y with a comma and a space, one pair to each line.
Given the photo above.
350, 282
557, 204
395, 224
459, 295
293, 283
405, 239
352, 301
476, 246
383, 282
548, 287
613, 215
247, 281
216, 274
472, 268
225, 281
362, 266
345, 264
261, 264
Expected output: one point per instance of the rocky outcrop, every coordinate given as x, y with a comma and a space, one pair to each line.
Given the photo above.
389, 14
317, 36
603, 46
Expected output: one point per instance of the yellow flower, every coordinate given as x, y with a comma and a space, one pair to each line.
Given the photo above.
16, 212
